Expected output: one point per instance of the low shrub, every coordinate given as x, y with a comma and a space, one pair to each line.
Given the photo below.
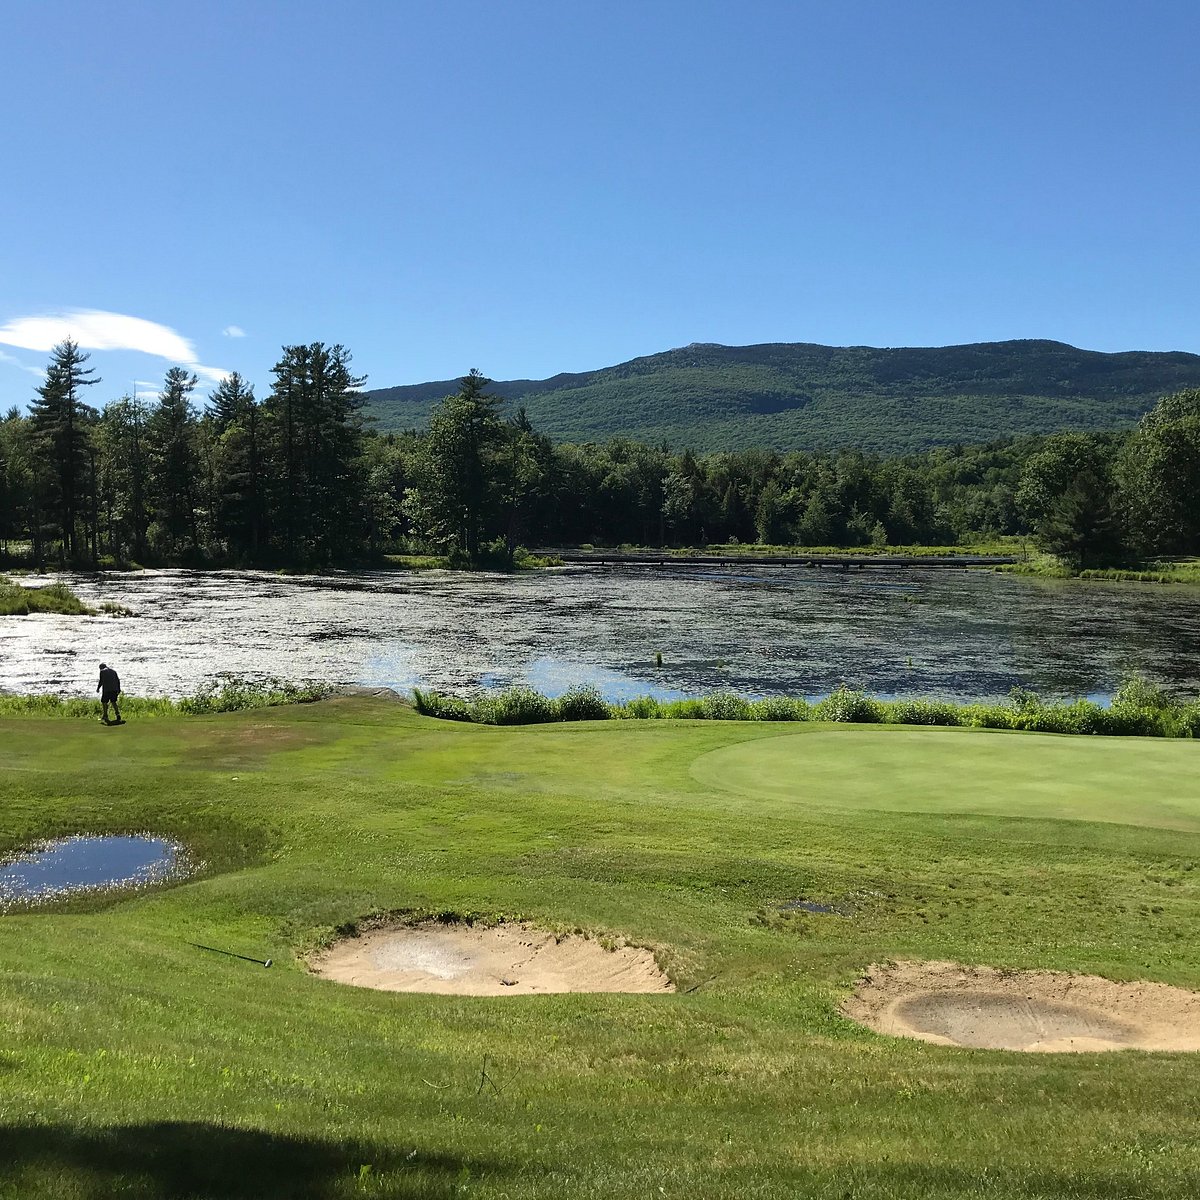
922, 712
235, 694
434, 704
513, 706
582, 703
846, 705
725, 706
1184, 721
640, 708
780, 708
1089, 718
987, 716
1127, 720
1139, 693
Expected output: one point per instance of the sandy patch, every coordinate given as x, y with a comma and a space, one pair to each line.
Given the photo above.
1040, 1011
504, 960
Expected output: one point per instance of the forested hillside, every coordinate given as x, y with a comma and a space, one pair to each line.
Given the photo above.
293, 478
796, 396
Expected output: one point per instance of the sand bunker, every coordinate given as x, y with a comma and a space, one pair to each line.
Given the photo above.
1040, 1011
469, 960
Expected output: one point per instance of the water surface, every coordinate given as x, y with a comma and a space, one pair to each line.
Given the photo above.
86, 864
757, 630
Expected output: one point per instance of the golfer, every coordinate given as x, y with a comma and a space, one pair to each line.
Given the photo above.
109, 688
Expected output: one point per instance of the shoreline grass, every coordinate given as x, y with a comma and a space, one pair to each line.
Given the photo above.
993, 547
1138, 710
1184, 571
16, 600
224, 696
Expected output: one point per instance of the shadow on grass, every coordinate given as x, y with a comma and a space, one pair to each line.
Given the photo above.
171, 1160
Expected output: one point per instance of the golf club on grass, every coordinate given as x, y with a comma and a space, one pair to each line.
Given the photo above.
263, 962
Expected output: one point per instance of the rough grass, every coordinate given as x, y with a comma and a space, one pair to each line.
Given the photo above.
17, 600
1181, 570
135, 1065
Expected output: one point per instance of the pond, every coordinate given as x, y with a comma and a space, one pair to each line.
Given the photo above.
67, 866
956, 634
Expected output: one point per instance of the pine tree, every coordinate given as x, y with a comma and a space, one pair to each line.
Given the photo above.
170, 437
60, 421
229, 400
314, 439
238, 485
457, 488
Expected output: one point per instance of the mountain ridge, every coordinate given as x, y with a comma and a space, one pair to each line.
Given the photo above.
803, 395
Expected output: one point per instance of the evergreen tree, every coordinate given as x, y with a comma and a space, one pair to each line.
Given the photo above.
457, 494
235, 454
229, 400
314, 438
170, 438
60, 421
124, 481
1067, 495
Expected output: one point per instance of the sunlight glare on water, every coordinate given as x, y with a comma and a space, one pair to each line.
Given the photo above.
758, 631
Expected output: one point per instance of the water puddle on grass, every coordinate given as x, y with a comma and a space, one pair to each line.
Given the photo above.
86, 863
813, 906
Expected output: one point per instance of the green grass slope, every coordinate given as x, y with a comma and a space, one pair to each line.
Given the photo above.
791, 396
134, 1065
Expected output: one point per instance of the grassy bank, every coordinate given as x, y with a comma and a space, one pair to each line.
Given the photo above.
1047, 566
999, 547
135, 1065
16, 600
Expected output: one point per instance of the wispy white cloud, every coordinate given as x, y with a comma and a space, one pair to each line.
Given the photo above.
94, 329
16, 362
234, 331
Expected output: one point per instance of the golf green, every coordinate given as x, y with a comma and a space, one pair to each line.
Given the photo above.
967, 771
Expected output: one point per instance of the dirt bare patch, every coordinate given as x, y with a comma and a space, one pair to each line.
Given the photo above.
503, 960
1039, 1011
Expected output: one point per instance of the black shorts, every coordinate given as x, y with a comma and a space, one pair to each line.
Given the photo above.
109, 697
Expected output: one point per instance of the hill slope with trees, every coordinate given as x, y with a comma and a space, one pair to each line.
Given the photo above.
798, 396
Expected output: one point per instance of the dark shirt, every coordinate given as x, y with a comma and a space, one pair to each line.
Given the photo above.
110, 683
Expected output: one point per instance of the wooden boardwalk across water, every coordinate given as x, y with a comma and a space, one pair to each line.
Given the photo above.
844, 562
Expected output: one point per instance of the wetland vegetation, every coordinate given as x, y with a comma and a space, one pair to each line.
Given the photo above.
755, 630
136, 1064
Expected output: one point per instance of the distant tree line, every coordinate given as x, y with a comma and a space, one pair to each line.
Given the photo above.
296, 478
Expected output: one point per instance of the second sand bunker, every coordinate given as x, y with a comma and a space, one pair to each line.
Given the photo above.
503, 960
1046, 1011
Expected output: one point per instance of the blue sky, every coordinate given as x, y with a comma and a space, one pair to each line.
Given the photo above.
530, 188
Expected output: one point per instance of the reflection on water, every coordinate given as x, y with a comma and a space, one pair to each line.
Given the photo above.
759, 631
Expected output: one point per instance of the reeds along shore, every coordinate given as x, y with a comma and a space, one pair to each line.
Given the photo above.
1138, 710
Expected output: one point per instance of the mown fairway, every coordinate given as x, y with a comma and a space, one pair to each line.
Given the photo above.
134, 1065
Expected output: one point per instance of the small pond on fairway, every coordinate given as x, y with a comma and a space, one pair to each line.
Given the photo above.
54, 870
